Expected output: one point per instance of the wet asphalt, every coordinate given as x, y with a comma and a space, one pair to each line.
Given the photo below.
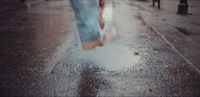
41, 56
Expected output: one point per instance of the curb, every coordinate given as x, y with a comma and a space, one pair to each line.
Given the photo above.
172, 46
168, 42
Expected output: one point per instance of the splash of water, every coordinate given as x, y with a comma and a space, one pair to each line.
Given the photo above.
112, 57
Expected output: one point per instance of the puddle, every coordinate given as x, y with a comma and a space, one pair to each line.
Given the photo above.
111, 57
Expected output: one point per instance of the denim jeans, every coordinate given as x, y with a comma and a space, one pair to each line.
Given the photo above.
87, 15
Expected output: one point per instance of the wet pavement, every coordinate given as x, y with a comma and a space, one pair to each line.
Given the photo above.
41, 56
182, 31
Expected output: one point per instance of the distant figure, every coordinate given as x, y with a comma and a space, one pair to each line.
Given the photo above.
158, 2
89, 21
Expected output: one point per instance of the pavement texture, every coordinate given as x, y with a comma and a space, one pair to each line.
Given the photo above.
41, 56
182, 31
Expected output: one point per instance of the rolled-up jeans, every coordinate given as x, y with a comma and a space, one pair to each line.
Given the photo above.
87, 15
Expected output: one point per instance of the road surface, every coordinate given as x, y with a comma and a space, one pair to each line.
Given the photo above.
41, 56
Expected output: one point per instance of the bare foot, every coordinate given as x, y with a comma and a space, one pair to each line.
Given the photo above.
108, 36
102, 23
99, 43
92, 45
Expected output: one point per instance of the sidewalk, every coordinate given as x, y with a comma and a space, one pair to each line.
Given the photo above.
181, 31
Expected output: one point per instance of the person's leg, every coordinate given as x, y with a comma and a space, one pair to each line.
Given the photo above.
87, 14
108, 31
101, 19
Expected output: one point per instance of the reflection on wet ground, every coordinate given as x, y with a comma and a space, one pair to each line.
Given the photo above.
28, 38
90, 82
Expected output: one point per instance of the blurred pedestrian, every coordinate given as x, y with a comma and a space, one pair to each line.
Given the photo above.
89, 21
